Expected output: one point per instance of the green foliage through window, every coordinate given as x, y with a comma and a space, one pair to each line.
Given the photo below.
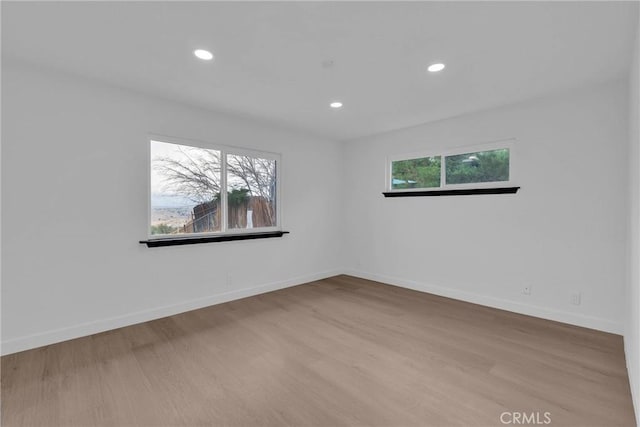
468, 168
416, 173
162, 229
481, 166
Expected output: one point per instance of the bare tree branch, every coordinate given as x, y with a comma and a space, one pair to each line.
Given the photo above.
197, 175
197, 178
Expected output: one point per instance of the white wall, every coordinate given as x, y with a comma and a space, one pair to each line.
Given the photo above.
632, 330
564, 232
74, 196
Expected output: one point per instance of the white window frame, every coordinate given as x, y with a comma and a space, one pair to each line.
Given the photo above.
224, 151
509, 144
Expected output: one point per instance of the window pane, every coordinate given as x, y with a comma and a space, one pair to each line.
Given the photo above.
481, 166
416, 173
185, 189
251, 192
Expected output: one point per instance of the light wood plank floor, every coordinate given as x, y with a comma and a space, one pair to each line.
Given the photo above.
341, 351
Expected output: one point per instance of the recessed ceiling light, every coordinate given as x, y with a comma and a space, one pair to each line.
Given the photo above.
434, 68
336, 104
205, 55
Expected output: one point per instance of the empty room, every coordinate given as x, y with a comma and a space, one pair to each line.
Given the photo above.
320, 213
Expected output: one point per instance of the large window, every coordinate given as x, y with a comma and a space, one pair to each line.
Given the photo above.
479, 167
187, 183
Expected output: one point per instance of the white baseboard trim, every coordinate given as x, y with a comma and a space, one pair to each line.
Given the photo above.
84, 329
590, 322
63, 334
631, 359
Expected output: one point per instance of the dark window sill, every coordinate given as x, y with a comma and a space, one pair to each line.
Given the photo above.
458, 192
153, 243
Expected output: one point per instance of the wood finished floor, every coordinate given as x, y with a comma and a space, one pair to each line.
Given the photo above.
341, 351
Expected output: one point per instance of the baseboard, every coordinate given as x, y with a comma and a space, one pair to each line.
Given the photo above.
631, 357
63, 334
590, 322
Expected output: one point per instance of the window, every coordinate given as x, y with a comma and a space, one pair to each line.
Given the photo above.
481, 167
186, 196
423, 172
251, 192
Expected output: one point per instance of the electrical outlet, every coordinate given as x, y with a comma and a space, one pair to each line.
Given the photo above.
229, 280
526, 290
576, 298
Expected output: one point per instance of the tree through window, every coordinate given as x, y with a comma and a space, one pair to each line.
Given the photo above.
186, 194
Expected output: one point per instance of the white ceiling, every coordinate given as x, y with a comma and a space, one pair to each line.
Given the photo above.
269, 55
